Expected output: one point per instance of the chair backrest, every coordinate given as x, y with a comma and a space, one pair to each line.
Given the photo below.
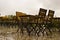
42, 12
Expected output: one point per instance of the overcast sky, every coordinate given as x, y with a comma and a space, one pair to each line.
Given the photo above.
9, 7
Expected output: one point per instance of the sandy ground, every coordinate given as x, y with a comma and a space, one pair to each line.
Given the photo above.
11, 34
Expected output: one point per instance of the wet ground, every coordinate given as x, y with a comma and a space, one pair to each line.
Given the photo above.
11, 34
